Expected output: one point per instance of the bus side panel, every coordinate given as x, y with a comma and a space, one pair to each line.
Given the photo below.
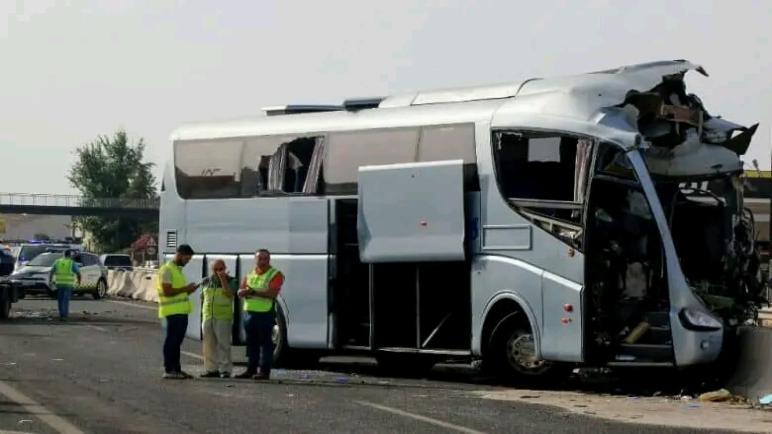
303, 296
495, 278
171, 217
562, 336
283, 225
194, 271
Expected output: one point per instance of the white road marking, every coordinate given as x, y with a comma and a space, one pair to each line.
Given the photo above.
141, 306
195, 356
57, 423
429, 420
101, 329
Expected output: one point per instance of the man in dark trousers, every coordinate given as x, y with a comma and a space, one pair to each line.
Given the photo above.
259, 291
174, 308
66, 277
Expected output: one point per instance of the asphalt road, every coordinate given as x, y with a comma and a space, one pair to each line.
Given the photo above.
100, 372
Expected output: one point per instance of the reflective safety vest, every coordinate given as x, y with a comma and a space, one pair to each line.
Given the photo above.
217, 304
176, 304
63, 275
259, 282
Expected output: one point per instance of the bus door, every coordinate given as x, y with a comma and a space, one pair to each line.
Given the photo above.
411, 233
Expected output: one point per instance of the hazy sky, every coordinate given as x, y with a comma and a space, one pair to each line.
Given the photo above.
71, 70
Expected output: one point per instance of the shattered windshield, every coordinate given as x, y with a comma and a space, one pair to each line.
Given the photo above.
715, 239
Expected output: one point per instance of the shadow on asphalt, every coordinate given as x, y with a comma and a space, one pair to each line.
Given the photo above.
10, 407
632, 382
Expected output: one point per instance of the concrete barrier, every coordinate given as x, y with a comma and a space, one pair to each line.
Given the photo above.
138, 284
752, 375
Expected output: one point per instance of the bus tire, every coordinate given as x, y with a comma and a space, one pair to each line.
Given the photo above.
510, 353
283, 355
279, 338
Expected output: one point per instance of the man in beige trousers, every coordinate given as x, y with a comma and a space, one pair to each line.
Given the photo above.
218, 321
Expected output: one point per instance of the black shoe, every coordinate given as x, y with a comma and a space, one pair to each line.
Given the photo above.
210, 374
173, 376
261, 377
245, 374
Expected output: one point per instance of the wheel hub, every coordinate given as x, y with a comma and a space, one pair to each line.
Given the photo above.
275, 335
521, 353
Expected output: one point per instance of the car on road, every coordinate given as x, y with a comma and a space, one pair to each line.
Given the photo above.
9, 293
37, 275
6, 263
115, 261
27, 252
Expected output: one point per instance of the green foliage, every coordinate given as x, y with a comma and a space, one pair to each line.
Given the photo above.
111, 167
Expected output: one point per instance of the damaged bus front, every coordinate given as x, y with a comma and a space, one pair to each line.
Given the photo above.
656, 209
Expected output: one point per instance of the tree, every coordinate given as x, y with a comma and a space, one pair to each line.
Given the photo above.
111, 167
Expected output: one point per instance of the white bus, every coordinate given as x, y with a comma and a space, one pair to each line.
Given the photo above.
592, 219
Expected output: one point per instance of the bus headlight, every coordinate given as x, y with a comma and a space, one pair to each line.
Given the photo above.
698, 320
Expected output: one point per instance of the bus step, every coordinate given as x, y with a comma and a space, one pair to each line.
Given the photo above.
644, 352
659, 335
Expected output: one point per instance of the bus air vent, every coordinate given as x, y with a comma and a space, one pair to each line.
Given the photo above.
171, 239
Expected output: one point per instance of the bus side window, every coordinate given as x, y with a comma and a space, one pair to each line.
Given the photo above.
208, 168
349, 150
280, 164
544, 176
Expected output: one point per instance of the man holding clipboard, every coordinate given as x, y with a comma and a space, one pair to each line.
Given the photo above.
174, 308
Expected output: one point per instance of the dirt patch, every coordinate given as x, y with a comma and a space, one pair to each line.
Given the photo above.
664, 411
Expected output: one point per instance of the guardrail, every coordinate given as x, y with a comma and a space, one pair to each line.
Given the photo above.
73, 201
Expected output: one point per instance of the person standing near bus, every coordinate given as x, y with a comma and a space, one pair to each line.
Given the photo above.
217, 310
66, 275
259, 291
173, 309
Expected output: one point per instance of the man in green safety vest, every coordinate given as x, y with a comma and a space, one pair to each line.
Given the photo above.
66, 274
173, 309
259, 291
217, 310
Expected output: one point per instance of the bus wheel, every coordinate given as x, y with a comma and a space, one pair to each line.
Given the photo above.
283, 355
511, 352
279, 338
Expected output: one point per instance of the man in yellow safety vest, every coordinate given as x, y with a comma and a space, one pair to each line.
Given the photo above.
66, 274
259, 291
217, 311
173, 309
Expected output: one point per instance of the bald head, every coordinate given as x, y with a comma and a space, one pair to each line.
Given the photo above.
218, 266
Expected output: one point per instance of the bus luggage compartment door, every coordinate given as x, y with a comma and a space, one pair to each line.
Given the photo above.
411, 212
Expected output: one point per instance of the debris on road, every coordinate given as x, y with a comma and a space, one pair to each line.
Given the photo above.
720, 395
